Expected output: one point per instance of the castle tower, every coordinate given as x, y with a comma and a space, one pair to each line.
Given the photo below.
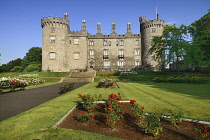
149, 29
54, 33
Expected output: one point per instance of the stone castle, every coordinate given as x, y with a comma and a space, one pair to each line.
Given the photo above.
64, 50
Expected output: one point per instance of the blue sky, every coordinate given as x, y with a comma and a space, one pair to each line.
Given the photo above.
20, 20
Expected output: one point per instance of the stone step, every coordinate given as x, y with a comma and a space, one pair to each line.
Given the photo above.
83, 74
77, 80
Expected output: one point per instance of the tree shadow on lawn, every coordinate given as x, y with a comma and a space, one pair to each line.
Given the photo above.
200, 91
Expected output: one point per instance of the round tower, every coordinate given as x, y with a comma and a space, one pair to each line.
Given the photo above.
149, 29
54, 32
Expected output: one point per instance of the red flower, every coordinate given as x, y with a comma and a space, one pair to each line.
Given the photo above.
187, 122
79, 95
81, 112
132, 101
108, 120
92, 115
119, 103
109, 106
205, 131
118, 93
198, 124
112, 113
142, 107
119, 98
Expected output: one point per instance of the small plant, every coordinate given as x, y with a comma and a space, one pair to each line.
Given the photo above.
88, 100
152, 125
86, 117
113, 109
174, 116
204, 130
137, 110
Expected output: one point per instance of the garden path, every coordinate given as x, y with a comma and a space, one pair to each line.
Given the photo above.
14, 103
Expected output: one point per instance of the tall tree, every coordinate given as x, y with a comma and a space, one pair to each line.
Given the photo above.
174, 41
200, 31
34, 56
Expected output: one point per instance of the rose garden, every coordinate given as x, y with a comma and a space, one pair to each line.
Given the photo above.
140, 105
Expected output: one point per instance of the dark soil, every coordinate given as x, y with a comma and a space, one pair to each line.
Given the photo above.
127, 128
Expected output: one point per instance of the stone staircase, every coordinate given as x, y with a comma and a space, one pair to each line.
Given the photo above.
79, 77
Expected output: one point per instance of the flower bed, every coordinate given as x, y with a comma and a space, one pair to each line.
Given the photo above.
107, 83
17, 82
128, 121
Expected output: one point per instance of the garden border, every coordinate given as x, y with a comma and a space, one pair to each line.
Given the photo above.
191, 120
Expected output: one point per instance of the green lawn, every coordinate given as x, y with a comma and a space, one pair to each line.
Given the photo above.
193, 100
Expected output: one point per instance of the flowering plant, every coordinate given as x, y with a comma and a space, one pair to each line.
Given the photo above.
88, 100
106, 82
137, 110
152, 124
204, 130
85, 117
113, 109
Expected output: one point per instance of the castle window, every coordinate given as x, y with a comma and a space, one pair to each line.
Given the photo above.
121, 54
105, 43
120, 63
117, 43
91, 52
76, 56
137, 63
137, 51
76, 41
106, 54
106, 63
137, 42
153, 30
52, 39
52, 29
121, 42
91, 43
52, 55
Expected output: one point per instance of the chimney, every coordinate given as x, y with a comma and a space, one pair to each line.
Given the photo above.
99, 27
113, 27
83, 25
128, 27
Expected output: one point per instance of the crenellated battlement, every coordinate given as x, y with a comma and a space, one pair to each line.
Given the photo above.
117, 36
153, 23
54, 21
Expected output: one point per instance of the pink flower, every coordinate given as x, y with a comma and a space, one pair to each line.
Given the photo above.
132, 101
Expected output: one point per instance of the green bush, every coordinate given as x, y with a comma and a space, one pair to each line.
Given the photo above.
33, 68
17, 69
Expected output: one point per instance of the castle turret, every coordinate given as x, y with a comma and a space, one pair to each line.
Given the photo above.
149, 29
54, 32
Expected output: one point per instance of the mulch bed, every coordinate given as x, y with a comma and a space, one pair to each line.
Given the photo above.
127, 128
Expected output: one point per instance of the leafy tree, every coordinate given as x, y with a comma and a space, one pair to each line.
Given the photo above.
34, 56
200, 32
7, 67
33, 68
172, 39
17, 69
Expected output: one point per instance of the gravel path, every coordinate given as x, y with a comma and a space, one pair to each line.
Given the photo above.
14, 103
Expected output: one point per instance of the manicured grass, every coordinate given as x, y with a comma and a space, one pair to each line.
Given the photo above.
193, 100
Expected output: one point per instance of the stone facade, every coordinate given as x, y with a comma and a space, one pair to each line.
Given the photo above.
64, 50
